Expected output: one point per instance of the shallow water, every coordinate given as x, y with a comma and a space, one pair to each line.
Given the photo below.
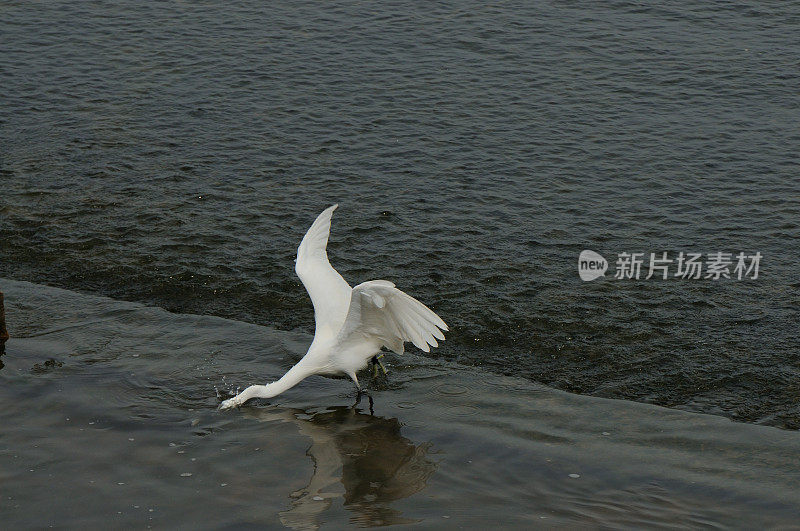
109, 418
175, 153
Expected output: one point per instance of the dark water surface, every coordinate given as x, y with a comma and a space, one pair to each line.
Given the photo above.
109, 420
174, 154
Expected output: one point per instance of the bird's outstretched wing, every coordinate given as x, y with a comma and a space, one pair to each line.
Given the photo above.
329, 292
381, 313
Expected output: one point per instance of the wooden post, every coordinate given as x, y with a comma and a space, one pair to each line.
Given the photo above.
3, 331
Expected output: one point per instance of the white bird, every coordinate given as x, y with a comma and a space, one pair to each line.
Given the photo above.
352, 324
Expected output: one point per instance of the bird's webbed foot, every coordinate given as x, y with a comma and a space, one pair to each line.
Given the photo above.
377, 362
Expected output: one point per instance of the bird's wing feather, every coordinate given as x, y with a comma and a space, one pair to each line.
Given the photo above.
382, 313
329, 292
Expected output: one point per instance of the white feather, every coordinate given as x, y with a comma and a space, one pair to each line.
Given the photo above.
352, 324
329, 292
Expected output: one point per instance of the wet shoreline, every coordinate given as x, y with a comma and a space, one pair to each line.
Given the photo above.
124, 420
174, 154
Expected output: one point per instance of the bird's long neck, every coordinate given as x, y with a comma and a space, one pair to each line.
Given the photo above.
292, 377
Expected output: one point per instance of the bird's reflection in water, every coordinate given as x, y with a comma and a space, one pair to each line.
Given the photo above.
365, 454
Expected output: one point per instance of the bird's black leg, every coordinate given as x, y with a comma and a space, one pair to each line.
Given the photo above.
369, 398
376, 361
359, 390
